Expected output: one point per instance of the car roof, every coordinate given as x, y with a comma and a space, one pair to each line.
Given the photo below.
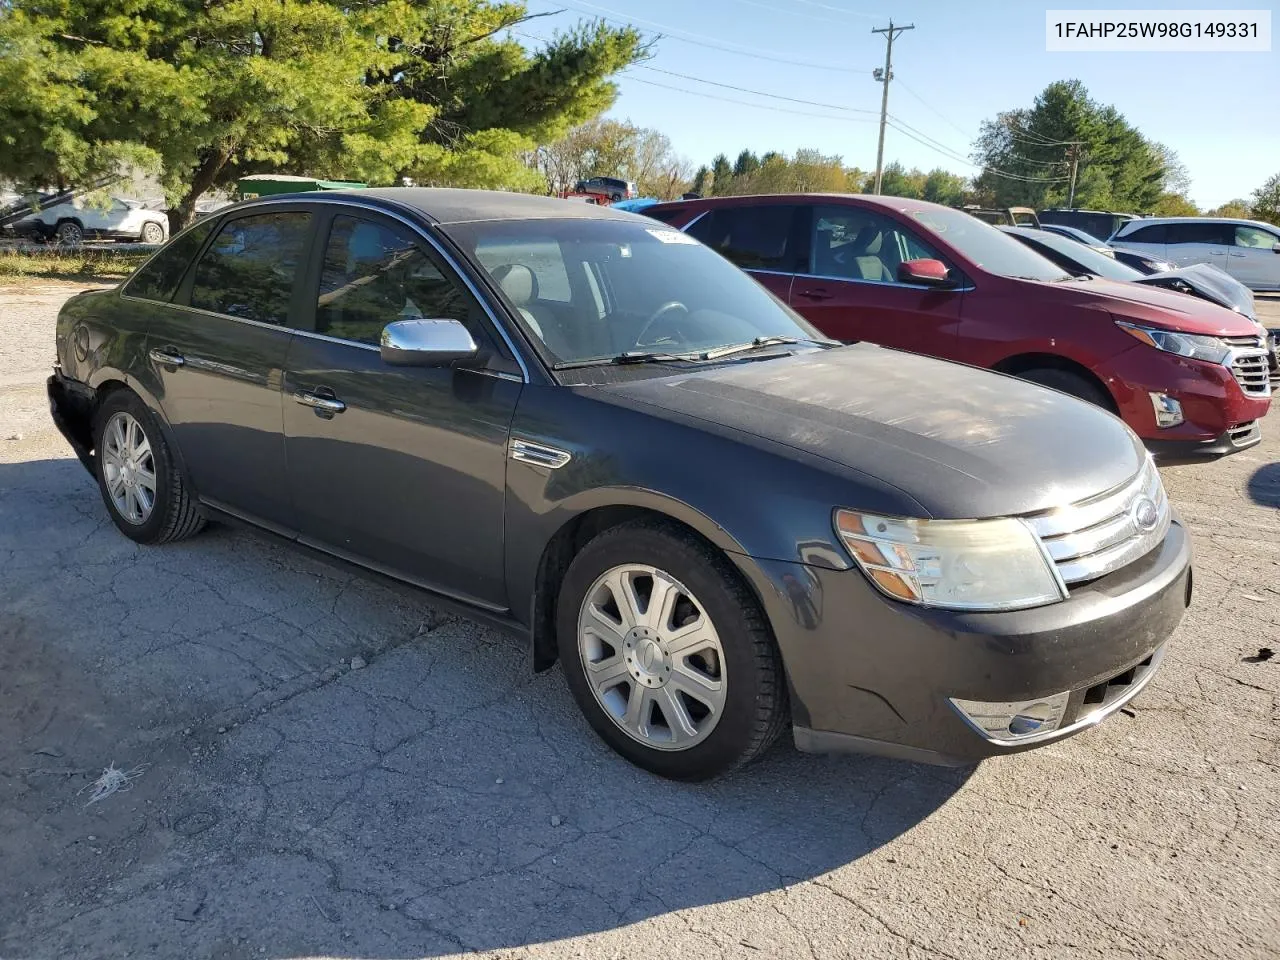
868, 199
447, 205
1146, 221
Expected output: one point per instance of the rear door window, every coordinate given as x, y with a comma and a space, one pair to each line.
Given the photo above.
250, 269
753, 237
1219, 233
160, 276
1152, 233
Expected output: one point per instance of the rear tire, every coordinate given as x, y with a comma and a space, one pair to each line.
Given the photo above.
137, 475
709, 656
1064, 381
152, 233
69, 233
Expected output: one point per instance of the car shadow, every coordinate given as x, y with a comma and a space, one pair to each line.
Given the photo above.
1264, 485
438, 799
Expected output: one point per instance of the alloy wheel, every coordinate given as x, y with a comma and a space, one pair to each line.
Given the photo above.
652, 657
129, 468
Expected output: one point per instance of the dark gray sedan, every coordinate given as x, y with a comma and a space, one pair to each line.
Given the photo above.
586, 427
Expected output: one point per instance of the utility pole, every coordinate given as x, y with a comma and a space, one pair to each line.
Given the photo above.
884, 77
1075, 165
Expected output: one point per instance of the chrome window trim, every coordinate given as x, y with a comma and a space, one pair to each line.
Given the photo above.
348, 202
685, 228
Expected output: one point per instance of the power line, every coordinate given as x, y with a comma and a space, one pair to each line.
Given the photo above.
852, 13
807, 16
982, 167
746, 103
758, 93
1040, 141
701, 40
932, 109
950, 149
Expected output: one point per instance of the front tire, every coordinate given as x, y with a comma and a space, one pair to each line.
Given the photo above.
1065, 381
668, 654
139, 480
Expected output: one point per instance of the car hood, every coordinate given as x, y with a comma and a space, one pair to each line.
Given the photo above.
1210, 282
962, 442
1152, 306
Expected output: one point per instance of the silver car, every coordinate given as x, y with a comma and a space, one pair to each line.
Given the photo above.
1246, 249
73, 221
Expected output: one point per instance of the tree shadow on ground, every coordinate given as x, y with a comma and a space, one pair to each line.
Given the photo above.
1264, 486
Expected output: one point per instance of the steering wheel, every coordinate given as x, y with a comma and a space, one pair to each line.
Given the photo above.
669, 307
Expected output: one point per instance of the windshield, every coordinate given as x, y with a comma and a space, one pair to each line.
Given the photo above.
587, 288
986, 246
1098, 264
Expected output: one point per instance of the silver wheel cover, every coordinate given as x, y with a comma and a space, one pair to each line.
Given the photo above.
129, 468
652, 657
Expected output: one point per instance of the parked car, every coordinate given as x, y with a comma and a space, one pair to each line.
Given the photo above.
585, 427
1079, 236
610, 187
1183, 373
1098, 223
1014, 216
1142, 262
1200, 279
79, 219
1246, 249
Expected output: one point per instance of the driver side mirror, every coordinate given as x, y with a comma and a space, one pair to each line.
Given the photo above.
426, 343
926, 273
1276, 248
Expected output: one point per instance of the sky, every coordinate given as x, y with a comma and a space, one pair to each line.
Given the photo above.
964, 62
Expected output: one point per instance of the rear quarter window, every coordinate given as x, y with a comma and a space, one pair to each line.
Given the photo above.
160, 276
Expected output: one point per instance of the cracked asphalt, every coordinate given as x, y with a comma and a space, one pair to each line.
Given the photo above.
442, 800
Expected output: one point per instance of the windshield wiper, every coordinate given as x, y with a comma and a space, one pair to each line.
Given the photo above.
628, 357
733, 348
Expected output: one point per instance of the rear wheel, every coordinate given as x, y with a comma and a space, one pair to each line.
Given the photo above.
1072, 383
140, 483
69, 233
668, 654
152, 233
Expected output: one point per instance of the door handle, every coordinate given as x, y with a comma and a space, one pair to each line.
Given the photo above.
167, 359
321, 405
815, 294
1234, 254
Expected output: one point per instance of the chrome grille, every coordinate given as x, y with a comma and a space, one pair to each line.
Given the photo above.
1250, 364
1100, 535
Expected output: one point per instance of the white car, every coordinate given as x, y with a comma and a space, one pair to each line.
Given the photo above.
1246, 249
79, 219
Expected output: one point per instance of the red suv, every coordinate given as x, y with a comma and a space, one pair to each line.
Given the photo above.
1189, 377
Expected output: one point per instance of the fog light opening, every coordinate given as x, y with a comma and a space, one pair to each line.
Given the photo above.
1013, 720
1168, 410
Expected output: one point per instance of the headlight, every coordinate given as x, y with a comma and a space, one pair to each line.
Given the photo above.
1187, 345
958, 564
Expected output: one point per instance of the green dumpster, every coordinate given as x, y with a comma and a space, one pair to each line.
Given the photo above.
270, 184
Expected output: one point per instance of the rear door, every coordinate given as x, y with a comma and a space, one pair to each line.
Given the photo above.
1190, 241
764, 239
218, 351
408, 475
1254, 257
849, 288
1148, 239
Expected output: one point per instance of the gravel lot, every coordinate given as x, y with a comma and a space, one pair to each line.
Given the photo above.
288, 801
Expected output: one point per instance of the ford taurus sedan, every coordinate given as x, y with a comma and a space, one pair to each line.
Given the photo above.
588, 428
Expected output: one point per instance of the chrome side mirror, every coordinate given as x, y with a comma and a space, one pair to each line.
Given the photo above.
426, 343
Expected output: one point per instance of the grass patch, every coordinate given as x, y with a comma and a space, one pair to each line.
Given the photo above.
83, 265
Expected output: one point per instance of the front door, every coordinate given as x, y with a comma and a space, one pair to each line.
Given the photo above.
1254, 257
406, 472
850, 288
219, 352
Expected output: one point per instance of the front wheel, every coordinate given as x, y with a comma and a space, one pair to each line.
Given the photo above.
668, 654
140, 482
1067, 382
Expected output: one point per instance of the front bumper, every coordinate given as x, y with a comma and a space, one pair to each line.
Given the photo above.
872, 675
1219, 416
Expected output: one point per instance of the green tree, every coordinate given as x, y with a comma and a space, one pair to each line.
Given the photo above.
203, 93
721, 176
1025, 155
1174, 205
1236, 209
700, 180
942, 186
897, 181
1266, 200
746, 164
